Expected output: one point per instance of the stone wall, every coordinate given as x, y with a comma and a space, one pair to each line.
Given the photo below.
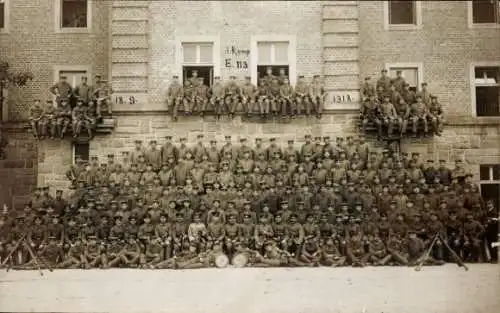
18, 171
475, 144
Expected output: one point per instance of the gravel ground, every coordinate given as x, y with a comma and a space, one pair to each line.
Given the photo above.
300, 290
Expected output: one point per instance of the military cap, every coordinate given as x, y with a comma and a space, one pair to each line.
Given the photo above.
63, 77
272, 139
301, 76
307, 136
232, 76
442, 161
424, 84
92, 237
344, 204
406, 85
227, 136
418, 96
458, 161
384, 70
113, 202
258, 139
433, 97
243, 139
316, 76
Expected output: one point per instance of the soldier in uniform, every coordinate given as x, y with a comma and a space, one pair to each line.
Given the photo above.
101, 94
49, 121
302, 101
62, 90
399, 81
425, 94
78, 118
419, 113
318, 95
388, 115
83, 91
94, 251
368, 89
75, 256
436, 115
36, 120
174, 96
64, 115
407, 94
217, 96
248, 95
232, 94
200, 97
154, 155
274, 90
153, 253
384, 82
286, 98
370, 113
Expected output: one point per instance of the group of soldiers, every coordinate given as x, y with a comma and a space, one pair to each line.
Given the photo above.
272, 96
390, 104
76, 108
324, 203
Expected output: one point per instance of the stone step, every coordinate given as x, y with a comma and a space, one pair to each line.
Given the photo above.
106, 126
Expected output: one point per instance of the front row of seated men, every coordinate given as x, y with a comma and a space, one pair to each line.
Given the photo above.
53, 122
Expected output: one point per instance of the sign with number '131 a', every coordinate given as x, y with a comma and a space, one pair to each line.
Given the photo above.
125, 100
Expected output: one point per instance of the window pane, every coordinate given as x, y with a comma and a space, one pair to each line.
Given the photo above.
206, 53
74, 13
487, 101
2, 14
496, 172
401, 12
484, 172
262, 70
487, 75
81, 150
409, 74
73, 77
484, 11
281, 52
264, 53
491, 192
189, 52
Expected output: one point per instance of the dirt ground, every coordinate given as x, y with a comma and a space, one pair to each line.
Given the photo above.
305, 290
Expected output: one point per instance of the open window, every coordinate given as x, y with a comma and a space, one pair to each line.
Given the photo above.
485, 11
198, 56
490, 182
406, 14
487, 90
73, 77
273, 55
3, 14
81, 150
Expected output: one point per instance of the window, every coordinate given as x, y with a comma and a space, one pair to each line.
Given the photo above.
74, 78
273, 55
74, 13
81, 150
489, 175
410, 74
198, 56
402, 14
487, 90
2, 14
485, 11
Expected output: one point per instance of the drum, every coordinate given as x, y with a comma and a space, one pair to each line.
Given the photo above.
221, 261
240, 260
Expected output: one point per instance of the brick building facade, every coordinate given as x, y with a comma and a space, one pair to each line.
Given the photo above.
139, 45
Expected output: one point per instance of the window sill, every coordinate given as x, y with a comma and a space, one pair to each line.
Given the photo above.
404, 27
81, 30
485, 26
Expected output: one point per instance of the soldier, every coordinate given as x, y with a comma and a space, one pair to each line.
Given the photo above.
356, 255
75, 257
370, 113
384, 82
36, 120
154, 155
473, 231
49, 121
331, 255
93, 255
388, 115
367, 89
131, 252
274, 89
248, 94
398, 250
407, 94
296, 234
83, 91
403, 114
232, 93
286, 97
153, 254
78, 118
62, 90
101, 94
419, 113
416, 251
263, 98
174, 96
436, 115
317, 95
302, 96
64, 115
425, 94
200, 97
399, 81
217, 96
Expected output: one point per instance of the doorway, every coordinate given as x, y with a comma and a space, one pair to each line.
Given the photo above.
207, 72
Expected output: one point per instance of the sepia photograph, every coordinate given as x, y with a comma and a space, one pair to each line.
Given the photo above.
249, 156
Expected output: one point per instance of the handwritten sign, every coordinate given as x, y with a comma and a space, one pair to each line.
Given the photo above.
236, 57
129, 101
342, 100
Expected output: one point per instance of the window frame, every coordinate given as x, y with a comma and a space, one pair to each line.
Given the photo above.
179, 55
71, 68
491, 180
470, 18
73, 151
6, 17
58, 19
418, 18
419, 66
472, 82
292, 55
